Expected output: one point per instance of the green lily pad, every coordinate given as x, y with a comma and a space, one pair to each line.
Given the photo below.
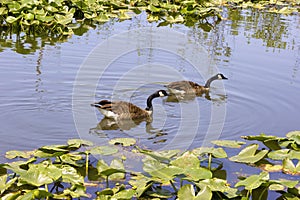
254, 181
79, 142
117, 164
249, 154
20, 154
187, 160
103, 150
5, 183
262, 137
214, 184
70, 175
215, 152
160, 193
188, 192
283, 154
290, 168
162, 156
166, 174
40, 174
140, 183
228, 143
294, 135
196, 174
285, 183
124, 194
123, 141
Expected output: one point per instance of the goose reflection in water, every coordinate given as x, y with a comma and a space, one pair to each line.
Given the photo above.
110, 124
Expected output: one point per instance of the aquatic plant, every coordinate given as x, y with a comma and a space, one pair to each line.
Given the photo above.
72, 171
61, 17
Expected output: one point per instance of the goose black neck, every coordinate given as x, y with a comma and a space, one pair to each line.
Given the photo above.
208, 82
149, 101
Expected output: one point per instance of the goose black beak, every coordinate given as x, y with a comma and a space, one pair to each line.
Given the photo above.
95, 104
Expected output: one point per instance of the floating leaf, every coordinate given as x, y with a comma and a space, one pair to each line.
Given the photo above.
11, 19
271, 168
187, 160
79, 142
249, 154
216, 152
196, 174
123, 141
188, 192
166, 174
70, 175
254, 181
40, 174
117, 164
228, 143
20, 154
141, 183
103, 150
294, 135
284, 182
290, 168
215, 184
283, 154
262, 137
162, 156
124, 194
3, 11
64, 19
160, 193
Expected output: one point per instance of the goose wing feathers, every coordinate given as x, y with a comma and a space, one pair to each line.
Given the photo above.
183, 85
123, 109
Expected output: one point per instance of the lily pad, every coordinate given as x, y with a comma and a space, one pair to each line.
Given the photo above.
290, 168
162, 156
123, 141
283, 154
187, 160
249, 154
215, 152
79, 142
20, 154
228, 143
188, 192
294, 135
124, 194
254, 181
103, 150
40, 174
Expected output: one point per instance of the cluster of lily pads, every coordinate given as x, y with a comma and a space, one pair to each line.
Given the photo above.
63, 16
72, 171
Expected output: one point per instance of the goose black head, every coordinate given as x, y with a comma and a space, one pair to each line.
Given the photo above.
162, 93
221, 76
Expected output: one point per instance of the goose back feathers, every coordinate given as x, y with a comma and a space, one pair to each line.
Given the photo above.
127, 110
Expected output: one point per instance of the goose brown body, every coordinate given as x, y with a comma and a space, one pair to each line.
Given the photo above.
123, 110
187, 87
192, 88
126, 110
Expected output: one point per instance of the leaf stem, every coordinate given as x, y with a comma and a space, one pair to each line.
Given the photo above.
173, 186
209, 160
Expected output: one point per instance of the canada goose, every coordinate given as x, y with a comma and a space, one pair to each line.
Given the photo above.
119, 110
192, 88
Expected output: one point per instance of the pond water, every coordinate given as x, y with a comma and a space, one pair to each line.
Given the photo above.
47, 86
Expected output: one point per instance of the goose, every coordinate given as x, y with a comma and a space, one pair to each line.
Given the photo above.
192, 88
119, 110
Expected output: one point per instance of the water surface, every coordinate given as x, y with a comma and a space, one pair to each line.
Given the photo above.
258, 52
